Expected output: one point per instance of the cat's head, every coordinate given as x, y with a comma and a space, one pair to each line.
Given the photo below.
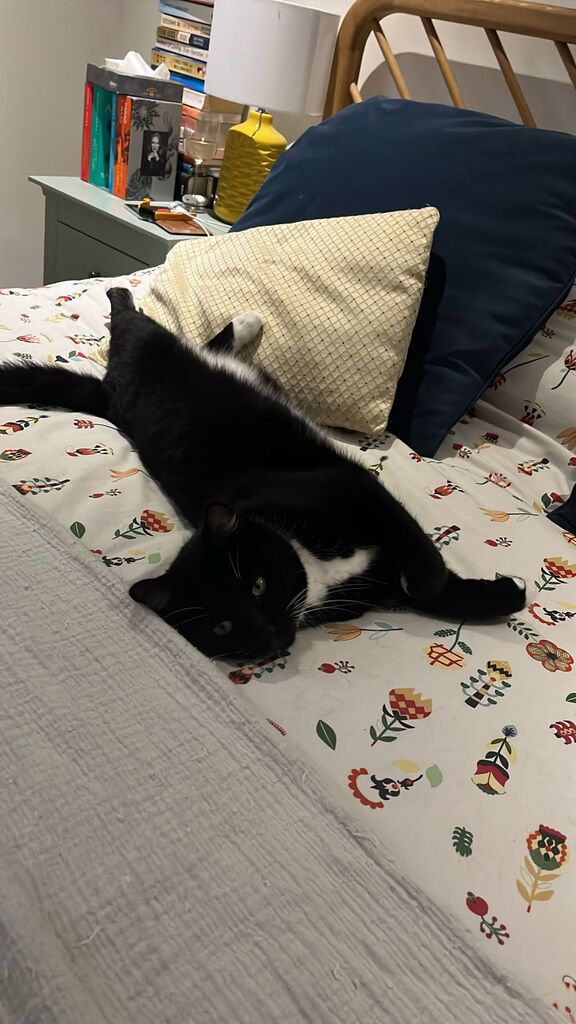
234, 590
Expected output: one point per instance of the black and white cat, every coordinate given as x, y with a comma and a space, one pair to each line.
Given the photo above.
289, 531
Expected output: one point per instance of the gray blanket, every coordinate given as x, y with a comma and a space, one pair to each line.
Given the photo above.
162, 859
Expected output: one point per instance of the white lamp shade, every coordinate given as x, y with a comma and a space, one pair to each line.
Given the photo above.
271, 53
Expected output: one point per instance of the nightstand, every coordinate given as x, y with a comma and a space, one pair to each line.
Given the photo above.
89, 233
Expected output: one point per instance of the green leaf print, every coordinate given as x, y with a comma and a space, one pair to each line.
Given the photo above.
326, 733
78, 529
571, 698
462, 841
434, 776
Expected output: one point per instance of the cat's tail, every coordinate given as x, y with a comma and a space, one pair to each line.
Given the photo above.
474, 599
30, 384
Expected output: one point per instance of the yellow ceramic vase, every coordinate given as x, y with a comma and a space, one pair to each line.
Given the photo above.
251, 149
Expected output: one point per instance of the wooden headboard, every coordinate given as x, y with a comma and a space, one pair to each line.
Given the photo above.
521, 17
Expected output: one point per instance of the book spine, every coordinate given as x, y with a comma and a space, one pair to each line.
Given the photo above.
182, 66
191, 86
86, 132
96, 157
190, 12
122, 146
112, 142
191, 52
193, 33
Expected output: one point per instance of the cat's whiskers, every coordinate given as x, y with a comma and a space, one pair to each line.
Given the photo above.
239, 652
301, 595
193, 618
190, 608
234, 569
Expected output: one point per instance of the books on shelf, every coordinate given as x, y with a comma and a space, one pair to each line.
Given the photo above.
184, 30
181, 65
183, 50
193, 10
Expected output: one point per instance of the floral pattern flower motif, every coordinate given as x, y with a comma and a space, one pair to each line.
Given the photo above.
366, 801
547, 853
329, 667
496, 478
570, 364
567, 437
555, 571
147, 523
553, 615
346, 631
406, 706
448, 657
497, 515
14, 454
489, 928
491, 775
552, 657
565, 730
569, 537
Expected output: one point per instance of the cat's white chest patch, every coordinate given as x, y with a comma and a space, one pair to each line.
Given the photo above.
322, 574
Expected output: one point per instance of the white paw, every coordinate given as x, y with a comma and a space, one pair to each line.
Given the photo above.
520, 583
246, 327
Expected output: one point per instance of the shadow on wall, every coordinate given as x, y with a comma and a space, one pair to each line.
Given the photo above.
553, 104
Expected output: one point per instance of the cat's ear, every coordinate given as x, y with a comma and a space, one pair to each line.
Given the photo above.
153, 592
219, 521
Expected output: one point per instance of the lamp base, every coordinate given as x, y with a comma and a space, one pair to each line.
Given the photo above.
251, 150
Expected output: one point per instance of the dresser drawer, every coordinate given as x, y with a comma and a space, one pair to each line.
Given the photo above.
79, 256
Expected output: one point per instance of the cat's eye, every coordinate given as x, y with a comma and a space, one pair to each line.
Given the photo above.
259, 586
223, 628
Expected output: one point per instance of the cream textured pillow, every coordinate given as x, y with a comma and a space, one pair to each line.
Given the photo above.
338, 299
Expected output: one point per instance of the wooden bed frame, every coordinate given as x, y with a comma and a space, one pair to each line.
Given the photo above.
521, 17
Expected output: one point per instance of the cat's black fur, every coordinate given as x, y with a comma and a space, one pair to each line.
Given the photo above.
249, 472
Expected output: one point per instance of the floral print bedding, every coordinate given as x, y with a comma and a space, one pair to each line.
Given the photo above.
450, 744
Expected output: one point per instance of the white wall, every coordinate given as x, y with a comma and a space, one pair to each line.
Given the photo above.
46, 46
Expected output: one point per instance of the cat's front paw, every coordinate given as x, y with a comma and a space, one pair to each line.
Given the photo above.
246, 327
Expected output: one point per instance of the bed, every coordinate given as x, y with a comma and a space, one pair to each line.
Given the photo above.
437, 757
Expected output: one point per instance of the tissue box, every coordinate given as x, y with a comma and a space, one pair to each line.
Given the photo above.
146, 148
102, 92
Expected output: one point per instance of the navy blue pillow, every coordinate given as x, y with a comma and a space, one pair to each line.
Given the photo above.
504, 253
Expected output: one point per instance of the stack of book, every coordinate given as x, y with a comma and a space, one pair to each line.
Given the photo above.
131, 134
182, 42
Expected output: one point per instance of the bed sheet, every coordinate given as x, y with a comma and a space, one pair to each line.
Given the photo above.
450, 744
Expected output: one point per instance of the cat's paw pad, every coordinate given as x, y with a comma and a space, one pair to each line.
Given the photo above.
246, 327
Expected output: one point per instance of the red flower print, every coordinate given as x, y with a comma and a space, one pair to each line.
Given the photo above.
241, 676
355, 774
407, 703
552, 658
498, 381
83, 424
476, 905
565, 730
489, 928
415, 457
496, 478
338, 666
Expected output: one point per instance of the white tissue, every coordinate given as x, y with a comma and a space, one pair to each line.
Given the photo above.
134, 64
